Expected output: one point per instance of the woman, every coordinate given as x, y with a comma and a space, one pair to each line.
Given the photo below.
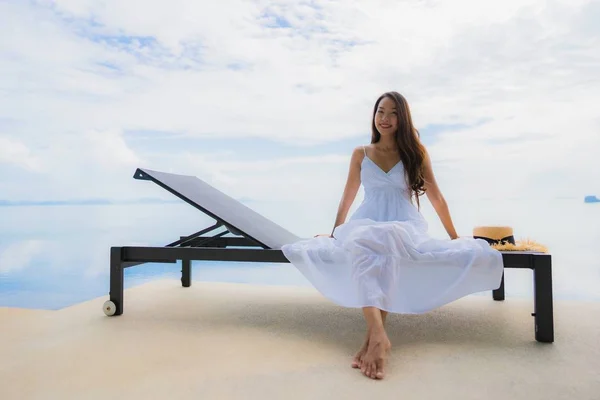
382, 259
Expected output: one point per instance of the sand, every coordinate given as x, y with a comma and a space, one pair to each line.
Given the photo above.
234, 341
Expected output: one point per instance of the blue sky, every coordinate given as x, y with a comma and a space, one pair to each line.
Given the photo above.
255, 95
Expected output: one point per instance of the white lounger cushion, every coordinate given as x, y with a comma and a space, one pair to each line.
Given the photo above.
219, 205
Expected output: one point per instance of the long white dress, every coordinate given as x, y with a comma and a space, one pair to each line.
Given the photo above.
383, 256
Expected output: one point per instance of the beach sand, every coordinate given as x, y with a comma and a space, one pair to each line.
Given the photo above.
235, 341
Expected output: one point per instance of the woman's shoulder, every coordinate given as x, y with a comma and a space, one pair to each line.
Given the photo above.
361, 149
359, 152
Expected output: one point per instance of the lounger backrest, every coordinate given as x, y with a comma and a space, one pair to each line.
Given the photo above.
222, 207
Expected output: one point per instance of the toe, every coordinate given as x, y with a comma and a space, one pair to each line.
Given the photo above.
367, 369
380, 373
371, 370
374, 372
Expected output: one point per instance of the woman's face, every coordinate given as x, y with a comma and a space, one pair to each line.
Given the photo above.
386, 117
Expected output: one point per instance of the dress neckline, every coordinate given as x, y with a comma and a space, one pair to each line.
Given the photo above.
381, 169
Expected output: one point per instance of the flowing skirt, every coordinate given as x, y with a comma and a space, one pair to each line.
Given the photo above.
395, 266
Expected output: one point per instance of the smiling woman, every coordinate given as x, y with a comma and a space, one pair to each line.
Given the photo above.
383, 258
393, 120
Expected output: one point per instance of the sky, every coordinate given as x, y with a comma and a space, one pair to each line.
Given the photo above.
265, 100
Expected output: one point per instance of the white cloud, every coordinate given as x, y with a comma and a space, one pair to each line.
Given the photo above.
17, 153
110, 150
529, 69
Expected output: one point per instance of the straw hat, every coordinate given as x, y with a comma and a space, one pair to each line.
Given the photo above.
502, 238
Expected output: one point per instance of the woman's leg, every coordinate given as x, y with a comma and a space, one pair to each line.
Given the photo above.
357, 360
373, 361
384, 315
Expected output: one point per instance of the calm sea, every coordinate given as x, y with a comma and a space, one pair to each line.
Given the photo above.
55, 256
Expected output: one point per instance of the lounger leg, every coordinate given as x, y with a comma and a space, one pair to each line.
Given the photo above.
544, 312
186, 273
116, 279
498, 294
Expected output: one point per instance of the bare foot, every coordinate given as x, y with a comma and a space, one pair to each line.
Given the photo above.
373, 361
357, 360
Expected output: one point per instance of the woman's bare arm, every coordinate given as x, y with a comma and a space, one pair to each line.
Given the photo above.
351, 188
437, 199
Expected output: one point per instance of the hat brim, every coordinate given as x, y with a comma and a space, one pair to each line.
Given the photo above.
521, 245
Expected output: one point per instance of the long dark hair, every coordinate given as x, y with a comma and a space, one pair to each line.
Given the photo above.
408, 140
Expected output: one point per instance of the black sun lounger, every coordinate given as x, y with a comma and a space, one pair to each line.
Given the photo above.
258, 239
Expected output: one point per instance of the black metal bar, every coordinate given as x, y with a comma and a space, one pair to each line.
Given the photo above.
205, 241
133, 264
167, 254
182, 241
129, 264
116, 279
498, 294
544, 308
224, 242
186, 273
194, 235
518, 259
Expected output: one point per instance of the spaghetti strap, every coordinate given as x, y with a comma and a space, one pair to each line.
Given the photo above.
365, 151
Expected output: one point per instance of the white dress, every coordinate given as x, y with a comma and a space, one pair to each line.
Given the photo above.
383, 256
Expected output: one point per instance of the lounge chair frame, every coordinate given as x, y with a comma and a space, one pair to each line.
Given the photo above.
204, 246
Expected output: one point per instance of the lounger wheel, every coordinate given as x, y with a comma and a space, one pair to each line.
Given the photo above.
109, 308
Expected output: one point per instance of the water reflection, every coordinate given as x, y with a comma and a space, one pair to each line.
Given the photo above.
52, 257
